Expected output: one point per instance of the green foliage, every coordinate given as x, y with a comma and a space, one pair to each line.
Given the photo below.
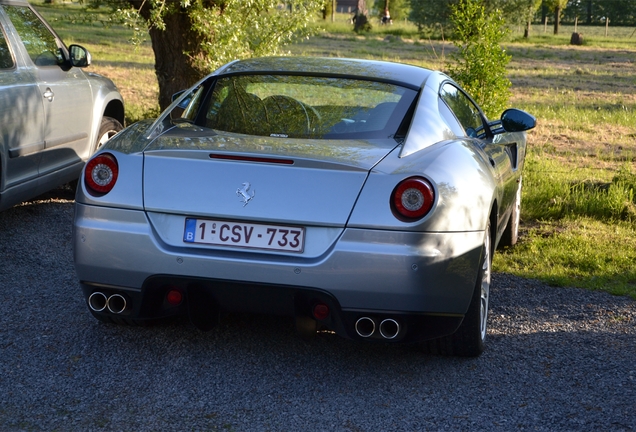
227, 29
326, 9
433, 17
362, 24
240, 29
480, 62
520, 11
430, 15
619, 12
553, 4
399, 9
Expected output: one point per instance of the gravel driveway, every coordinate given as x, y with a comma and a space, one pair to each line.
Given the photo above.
556, 359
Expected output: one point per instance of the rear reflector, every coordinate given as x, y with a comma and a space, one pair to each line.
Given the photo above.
321, 311
174, 297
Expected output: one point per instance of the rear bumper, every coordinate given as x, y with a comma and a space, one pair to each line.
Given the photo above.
425, 278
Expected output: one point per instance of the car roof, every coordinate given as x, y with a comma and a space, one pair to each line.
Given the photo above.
412, 76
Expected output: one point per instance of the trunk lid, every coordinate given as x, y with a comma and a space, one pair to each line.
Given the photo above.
267, 179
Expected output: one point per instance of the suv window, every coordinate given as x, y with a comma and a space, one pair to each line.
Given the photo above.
6, 60
464, 109
38, 40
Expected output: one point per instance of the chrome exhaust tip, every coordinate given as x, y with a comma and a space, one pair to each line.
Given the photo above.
97, 301
116, 303
365, 327
389, 328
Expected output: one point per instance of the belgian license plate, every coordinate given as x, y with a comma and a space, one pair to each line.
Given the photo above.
246, 235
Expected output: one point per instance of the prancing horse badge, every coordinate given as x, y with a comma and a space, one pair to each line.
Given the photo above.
243, 193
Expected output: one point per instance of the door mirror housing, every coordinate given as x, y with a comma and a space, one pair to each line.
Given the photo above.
80, 57
516, 120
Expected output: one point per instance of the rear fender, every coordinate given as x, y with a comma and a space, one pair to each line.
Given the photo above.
127, 193
463, 180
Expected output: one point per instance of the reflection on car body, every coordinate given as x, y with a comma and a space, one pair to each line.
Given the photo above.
348, 194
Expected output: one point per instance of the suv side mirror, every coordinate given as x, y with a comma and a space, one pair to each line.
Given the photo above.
80, 57
516, 120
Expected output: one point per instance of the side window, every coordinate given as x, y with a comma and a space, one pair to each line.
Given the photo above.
450, 118
39, 42
191, 103
464, 109
6, 60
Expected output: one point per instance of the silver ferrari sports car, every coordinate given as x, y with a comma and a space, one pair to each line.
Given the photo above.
361, 197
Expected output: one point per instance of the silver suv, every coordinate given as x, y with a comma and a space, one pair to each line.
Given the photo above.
53, 115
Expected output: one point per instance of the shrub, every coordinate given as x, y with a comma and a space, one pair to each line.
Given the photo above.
480, 62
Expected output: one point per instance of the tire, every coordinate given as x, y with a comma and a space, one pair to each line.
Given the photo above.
108, 128
511, 234
470, 338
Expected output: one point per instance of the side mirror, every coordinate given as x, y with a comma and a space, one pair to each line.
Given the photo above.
185, 102
80, 57
516, 120
177, 112
176, 95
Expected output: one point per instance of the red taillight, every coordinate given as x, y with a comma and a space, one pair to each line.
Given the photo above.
412, 199
100, 174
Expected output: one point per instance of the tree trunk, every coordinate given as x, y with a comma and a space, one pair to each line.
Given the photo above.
362, 21
589, 12
557, 19
173, 67
526, 31
544, 12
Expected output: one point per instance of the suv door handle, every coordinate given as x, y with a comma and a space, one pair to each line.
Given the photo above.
48, 94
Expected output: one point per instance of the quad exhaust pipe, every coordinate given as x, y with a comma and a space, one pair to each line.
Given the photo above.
99, 302
388, 328
365, 327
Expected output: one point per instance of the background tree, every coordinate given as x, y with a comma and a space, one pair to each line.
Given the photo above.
527, 9
557, 7
619, 12
480, 61
430, 15
190, 38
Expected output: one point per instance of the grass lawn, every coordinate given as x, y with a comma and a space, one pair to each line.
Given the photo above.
578, 221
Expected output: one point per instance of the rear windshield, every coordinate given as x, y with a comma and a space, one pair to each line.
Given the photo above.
299, 107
